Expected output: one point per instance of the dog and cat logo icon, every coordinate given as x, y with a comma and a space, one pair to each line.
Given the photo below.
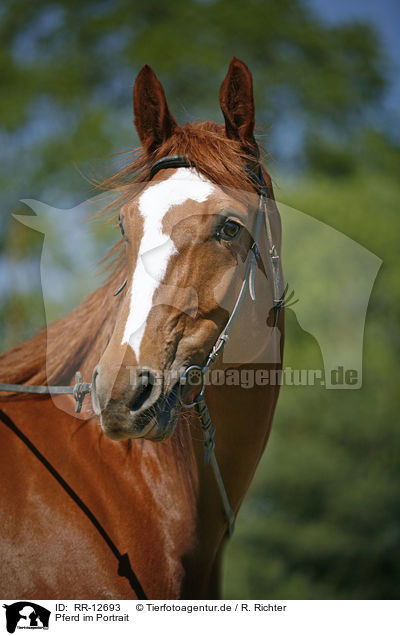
26, 615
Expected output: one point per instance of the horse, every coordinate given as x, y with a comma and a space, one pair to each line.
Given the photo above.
117, 502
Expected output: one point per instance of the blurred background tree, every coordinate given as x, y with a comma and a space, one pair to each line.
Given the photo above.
322, 518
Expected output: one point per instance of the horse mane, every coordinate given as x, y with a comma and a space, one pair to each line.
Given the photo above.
77, 341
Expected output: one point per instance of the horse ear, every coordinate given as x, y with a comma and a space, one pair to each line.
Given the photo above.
237, 104
153, 119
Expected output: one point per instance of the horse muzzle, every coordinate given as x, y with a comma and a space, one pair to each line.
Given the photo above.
144, 407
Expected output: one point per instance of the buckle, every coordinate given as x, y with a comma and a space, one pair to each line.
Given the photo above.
196, 371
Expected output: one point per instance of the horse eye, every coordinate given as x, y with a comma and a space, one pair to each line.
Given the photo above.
230, 230
121, 226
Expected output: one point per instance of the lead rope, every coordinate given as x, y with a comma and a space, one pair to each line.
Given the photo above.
209, 458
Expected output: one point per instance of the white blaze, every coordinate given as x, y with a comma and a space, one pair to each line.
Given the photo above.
185, 184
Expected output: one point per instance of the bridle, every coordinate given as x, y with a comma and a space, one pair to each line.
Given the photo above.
248, 282
81, 389
199, 403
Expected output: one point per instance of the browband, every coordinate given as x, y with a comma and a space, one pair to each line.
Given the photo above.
172, 161
180, 161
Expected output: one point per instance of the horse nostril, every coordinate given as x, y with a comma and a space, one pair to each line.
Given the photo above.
142, 391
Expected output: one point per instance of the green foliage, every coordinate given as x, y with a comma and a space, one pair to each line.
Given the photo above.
68, 68
369, 151
322, 518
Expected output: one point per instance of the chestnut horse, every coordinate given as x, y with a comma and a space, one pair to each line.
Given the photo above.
117, 503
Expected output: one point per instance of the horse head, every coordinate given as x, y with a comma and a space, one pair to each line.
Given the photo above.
187, 236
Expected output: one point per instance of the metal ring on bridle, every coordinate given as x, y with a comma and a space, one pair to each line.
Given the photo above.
184, 382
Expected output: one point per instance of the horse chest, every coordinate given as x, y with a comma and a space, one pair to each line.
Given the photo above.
69, 521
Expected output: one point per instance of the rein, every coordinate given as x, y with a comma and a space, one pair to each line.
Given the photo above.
81, 389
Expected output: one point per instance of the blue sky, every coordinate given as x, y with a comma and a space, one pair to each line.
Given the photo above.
384, 15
